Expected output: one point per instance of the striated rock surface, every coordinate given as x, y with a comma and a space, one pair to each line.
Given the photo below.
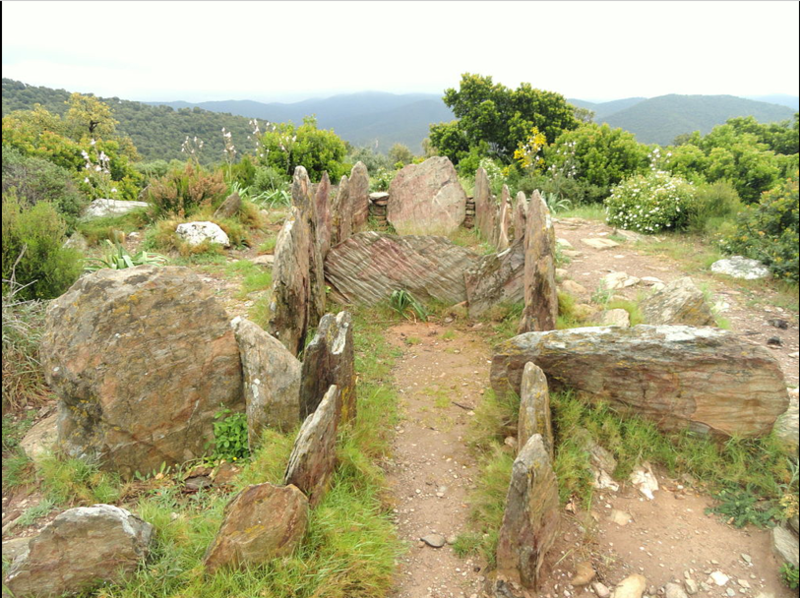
541, 296
341, 214
103, 208
271, 381
705, 379
358, 195
679, 302
369, 266
787, 426
530, 520
484, 206
142, 359
313, 457
534, 408
323, 214
502, 235
261, 523
519, 216
329, 359
426, 199
81, 549
195, 233
496, 279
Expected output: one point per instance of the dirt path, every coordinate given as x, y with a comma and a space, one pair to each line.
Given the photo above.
432, 471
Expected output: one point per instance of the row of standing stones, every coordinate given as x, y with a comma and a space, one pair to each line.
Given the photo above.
142, 359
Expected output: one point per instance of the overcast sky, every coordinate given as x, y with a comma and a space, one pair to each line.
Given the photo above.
289, 51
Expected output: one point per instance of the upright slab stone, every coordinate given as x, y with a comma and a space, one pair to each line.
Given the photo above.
503, 233
304, 200
79, 550
261, 523
369, 266
541, 296
358, 193
534, 408
329, 359
342, 214
703, 379
484, 206
230, 207
530, 520
271, 381
679, 302
427, 199
313, 457
323, 214
496, 279
519, 217
141, 359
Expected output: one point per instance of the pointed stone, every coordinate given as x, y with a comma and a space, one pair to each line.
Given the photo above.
313, 457
530, 520
271, 381
323, 213
496, 279
541, 298
261, 523
329, 359
520, 216
358, 193
484, 206
230, 207
680, 302
534, 408
342, 214
504, 221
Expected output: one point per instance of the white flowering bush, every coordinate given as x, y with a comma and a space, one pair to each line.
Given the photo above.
650, 203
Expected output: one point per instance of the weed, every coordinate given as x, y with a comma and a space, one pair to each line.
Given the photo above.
118, 258
268, 245
632, 307
230, 435
17, 470
741, 507
110, 227
790, 575
448, 335
602, 295
32, 514
403, 302
76, 481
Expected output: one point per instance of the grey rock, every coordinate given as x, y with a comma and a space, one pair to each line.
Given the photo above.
674, 590
324, 226
740, 267
230, 207
15, 547
541, 297
358, 195
41, 439
616, 317
785, 543
534, 409
679, 302
787, 426
434, 540
496, 279
103, 208
690, 585
601, 589
485, 219
194, 233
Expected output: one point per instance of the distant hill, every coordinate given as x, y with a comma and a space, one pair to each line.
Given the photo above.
603, 110
781, 99
370, 118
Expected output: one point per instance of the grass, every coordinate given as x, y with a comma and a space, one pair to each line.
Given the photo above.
585, 211
632, 307
100, 229
33, 514
268, 245
471, 239
255, 277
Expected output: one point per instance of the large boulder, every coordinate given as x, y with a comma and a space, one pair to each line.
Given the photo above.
704, 379
142, 359
330, 359
81, 549
313, 457
496, 279
427, 199
740, 267
271, 380
104, 208
358, 194
530, 520
261, 523
484, 206
369, 266
541, 294
194, 233
679, 302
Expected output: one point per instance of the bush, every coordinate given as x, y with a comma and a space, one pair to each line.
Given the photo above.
23, 378
651, 203
183, 192
768, 232
36, 180
713, 205
33, 251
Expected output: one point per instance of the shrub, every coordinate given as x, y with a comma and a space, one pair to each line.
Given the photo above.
36, 180
230, 435
713, 205
769, 231
651, 203
33, 252
183, 192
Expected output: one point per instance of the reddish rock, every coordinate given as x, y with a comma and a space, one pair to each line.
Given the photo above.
323, 214
503, 233
519, 217
541, 297
341, 214
358, 194
427, 199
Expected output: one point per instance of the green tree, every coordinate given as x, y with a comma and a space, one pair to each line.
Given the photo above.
400, 153
501, 117
317, 150
88, 116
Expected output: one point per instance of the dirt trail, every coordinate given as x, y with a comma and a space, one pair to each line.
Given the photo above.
432, 471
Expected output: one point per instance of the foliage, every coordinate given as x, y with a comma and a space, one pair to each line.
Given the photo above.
651, 203
527, 153
768, 231
494, 173
403, 302
373, 160
400, 153
790, 575
381, 179
230, 435
183, 192
713, 205
739, 506
95, 230
33, 253
118, 258
71, 481
317, 150
37, 179
501, 117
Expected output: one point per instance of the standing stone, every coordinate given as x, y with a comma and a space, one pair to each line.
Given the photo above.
530, 521
519, 217
484, 206
704, 379
271, 381
261, 523
534, 408
81, 549
330, 359
496, 279
680, 302
369, 266
141, 358
313, 457
323, 213
427, 199
358, 193
303, 199
504, 221
342, 216
230, 207
541, 296
787, 428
